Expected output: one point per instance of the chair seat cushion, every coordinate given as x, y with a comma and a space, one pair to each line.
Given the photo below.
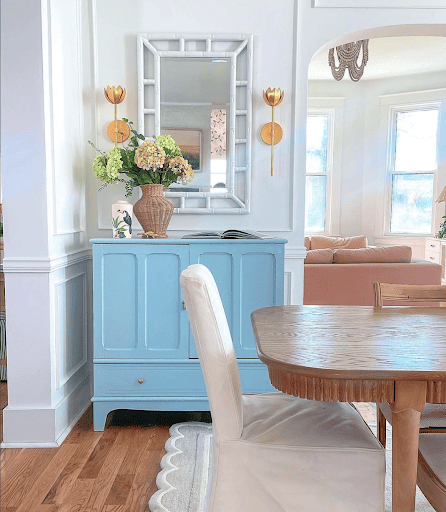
280, 419
299, 455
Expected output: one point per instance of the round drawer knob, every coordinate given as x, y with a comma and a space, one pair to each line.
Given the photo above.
141, 381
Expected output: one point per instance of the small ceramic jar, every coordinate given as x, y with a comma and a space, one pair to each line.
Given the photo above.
122, 219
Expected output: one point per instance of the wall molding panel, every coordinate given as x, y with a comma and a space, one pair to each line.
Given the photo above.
64, 115
70, 307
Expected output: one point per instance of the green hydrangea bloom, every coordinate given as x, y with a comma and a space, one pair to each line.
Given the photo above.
114, 164
99, 167
168, 144
107, 167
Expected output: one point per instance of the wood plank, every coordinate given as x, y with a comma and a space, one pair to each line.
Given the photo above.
144, 483
105, 478
7, 456
22, 473
94, 463
141, 441
120, 489
76, 500
62, 486
47, 478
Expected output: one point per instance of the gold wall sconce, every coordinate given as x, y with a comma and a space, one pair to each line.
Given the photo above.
272, 132
118, 131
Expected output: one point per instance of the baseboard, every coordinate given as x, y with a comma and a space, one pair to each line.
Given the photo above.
45, 427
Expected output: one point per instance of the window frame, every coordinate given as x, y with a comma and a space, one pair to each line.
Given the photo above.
403, 102
333, 109
391, 156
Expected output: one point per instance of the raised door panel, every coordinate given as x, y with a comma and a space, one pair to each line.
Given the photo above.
249, 276
166, 325
258, 289
138, 308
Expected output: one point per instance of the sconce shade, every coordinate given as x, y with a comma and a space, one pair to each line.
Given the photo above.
273, 97
442, 197
114, 95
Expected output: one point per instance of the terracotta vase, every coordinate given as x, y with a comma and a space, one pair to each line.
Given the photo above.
153, 210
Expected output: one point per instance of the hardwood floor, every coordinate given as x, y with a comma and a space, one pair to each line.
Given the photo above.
110, 471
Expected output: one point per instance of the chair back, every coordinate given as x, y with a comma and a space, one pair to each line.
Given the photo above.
215, 350
408, 292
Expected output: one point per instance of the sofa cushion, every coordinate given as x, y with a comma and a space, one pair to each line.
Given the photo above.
319, 256
324, 242
307, 243
392, 254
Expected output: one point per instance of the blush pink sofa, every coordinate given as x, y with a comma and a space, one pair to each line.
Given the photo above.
351, 284
347, 277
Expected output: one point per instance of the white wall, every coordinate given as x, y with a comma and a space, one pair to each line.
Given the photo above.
273, 66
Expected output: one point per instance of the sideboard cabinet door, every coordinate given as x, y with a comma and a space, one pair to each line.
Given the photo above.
138, 312
249, 276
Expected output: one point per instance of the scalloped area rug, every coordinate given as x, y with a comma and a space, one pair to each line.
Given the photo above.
184, 471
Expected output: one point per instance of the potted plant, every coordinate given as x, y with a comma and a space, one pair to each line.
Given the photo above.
152, 165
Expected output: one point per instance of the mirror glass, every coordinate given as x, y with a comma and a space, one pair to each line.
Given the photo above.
195, 107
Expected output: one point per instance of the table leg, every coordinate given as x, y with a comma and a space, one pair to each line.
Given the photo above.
410, 399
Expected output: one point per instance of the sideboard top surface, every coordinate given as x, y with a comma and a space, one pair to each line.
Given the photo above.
187, 241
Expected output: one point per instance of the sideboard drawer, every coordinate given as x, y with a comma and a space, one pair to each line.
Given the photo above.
181, 379
432, 245
432, 256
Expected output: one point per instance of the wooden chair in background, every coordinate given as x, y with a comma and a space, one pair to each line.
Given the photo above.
431, 477
408, 293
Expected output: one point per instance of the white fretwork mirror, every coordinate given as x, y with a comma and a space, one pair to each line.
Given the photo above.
198, 88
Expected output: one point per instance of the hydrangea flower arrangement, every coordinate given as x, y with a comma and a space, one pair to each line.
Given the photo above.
154, 161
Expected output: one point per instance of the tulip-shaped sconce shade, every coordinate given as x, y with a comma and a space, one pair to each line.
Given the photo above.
118, 131
272, 132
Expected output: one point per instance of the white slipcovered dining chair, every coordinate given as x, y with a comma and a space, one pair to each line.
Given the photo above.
274, 452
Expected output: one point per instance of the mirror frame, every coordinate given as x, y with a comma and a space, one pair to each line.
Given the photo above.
237, 88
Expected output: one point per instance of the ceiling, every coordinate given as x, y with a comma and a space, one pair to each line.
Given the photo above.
391, 56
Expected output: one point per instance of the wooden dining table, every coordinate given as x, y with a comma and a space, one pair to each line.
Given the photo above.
361, 354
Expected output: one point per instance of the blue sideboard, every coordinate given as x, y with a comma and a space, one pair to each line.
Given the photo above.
144, 353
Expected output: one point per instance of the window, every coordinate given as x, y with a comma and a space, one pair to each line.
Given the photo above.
318, 171
412, 163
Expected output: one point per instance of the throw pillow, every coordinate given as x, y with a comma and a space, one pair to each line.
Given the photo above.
319, 256
307, 243
324, 242
392, 254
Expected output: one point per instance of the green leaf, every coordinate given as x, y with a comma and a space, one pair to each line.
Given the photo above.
141, 137
125, 120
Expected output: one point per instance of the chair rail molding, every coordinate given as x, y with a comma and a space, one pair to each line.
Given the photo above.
35, 264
